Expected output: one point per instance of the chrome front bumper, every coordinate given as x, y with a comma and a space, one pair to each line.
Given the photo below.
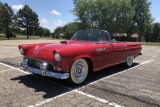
44, 72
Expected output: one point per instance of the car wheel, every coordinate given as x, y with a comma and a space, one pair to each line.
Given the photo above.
79, 72
129, 61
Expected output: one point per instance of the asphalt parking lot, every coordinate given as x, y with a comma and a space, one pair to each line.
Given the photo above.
117, 86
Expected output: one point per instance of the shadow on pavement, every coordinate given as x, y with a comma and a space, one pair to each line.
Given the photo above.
40, 85
49, 85
15, 61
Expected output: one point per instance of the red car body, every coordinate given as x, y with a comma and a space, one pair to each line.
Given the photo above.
98, 55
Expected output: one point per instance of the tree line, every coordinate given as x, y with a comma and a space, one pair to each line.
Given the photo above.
24, 22
115, 16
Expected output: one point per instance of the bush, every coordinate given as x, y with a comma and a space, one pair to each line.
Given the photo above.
52, 35
124, 38
13, 34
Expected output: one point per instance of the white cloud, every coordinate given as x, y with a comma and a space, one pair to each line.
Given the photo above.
55, 12
58, 23
17, 7
44, 23
52, 26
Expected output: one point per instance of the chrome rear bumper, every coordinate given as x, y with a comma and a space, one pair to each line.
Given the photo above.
44, 72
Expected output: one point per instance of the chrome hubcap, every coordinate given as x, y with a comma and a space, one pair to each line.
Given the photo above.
130, 60
79, 71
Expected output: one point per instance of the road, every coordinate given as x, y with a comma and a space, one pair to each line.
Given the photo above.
117, 86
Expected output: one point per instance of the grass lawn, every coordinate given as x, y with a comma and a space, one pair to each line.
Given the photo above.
22, 37
151, 43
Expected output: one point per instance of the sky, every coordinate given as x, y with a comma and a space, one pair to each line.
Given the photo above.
55, 13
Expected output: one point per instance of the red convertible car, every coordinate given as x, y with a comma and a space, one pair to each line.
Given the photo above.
87, 51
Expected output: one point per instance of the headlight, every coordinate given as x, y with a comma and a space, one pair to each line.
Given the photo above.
57, 57
21, 51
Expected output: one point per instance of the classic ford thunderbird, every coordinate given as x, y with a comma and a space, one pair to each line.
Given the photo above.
87, 51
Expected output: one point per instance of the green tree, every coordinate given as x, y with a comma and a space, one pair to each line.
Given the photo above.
52, 35
156, 33
47, 32
70, 28
57, 32
116, 16
7, 14
1, 19
15, 24
148, 35
87, 12
43, 32
40, 31
142, 17
28, 20
104, 14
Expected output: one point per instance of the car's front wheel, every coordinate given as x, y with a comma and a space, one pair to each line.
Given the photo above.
79, 72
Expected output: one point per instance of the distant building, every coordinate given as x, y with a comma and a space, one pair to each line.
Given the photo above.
62, 36
135, 35
122, 36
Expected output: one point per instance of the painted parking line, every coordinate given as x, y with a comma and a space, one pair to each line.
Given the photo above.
145, 62
49, 99
5, 70
77, 90
88, 95
99, 99
18, 69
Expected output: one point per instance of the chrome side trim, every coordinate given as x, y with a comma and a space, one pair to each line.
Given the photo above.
46, 73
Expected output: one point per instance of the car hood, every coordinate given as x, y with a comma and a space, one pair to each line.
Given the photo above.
63, 45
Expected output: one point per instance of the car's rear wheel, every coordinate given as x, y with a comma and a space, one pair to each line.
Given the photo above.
129, 61
79, 72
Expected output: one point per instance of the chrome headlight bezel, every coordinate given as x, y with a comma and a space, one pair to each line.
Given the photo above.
57, 57
21, 51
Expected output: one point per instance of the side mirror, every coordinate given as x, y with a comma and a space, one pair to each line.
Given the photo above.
113, 40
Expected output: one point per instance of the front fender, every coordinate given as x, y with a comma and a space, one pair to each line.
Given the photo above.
82, 57
68, 62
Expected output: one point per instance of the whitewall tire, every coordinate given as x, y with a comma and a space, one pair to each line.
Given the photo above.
79, 72
129, 61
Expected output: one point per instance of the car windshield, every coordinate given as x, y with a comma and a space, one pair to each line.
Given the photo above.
91, 35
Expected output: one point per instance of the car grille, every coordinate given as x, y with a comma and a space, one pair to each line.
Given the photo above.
34, 63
